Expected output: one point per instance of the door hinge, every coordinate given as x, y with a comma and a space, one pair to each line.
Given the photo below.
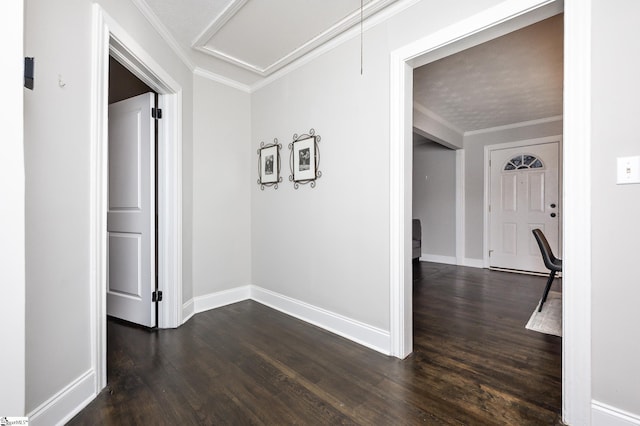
156, 296
156, 113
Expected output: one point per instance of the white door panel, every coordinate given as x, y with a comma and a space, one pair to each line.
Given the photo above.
131, 211
125, 275
524, 195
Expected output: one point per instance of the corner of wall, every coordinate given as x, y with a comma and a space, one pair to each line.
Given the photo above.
68, 402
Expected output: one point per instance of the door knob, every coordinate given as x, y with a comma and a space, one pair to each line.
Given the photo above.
553, 206
553, 215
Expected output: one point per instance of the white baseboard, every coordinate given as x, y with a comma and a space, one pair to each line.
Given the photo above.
452, 260
188, 310
366, 335
606, 415
61, 407
221, 298
449, 260
472, 263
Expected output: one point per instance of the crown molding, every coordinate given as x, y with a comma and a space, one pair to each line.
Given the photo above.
514, 125
219, 22
426, 111
164, 32
220, 79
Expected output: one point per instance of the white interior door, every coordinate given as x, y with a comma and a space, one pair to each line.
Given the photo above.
131, 211
524, 195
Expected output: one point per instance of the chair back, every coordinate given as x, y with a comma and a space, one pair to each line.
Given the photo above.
550, 261
417, 229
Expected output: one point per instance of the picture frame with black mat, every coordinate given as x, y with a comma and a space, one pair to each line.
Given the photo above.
269, 164
304, 159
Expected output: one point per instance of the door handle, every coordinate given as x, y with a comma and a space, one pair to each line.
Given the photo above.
553, 215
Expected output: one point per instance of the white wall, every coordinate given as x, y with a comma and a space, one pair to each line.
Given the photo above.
222, 168
434, 197
474, 174
616, 208
57, 134
329, 246
12, 279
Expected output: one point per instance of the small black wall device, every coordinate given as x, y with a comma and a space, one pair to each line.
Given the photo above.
28, 73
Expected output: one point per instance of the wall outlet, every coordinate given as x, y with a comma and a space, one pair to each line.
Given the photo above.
628, 170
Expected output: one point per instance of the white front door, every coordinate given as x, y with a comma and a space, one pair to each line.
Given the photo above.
131, 211
524, 195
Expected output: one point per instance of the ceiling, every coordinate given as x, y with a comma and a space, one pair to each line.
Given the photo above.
247, 40
511, 79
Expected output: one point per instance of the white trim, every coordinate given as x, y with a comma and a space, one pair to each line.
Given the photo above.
472, 263
170, 210
515, 125
607, 415
108, 36
486, 241
222, 80
460, 206
166, 35
13, 255
97, 200
221, 298
188, 310
576, 284
218, 22
66, 403
400, 146
435, 117
448, 260
356, 331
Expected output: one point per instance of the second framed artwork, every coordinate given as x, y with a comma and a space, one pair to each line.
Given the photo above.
304, 159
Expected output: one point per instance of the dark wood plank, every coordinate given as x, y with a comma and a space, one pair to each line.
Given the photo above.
473, 363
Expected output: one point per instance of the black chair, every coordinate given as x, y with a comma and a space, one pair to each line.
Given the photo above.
550, 261
416, 242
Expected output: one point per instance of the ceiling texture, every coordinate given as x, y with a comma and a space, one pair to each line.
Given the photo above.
511, 79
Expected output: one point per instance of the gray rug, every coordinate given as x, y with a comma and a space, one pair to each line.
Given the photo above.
549, 321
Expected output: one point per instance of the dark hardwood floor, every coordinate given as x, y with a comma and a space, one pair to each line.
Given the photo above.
474, 364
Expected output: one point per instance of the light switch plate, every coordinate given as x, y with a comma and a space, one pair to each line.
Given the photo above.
628, 170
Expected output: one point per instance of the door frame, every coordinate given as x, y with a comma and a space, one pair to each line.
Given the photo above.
110, 38
576, 342
486, 240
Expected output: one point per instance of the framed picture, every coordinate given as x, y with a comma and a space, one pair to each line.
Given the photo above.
269, 164
304, 159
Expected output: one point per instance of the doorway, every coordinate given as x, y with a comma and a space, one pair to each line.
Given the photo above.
484, 26
111, 39
462, 100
